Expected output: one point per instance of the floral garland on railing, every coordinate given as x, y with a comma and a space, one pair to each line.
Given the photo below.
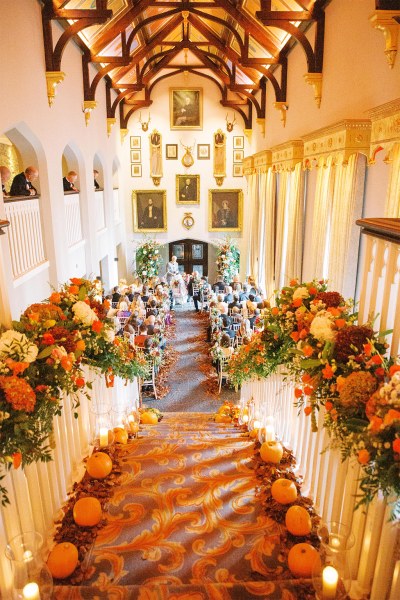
336, 365
148, 259
228, 259
41, 360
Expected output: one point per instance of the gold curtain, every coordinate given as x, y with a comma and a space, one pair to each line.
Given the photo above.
281, 228
268, 265
322, 207
392, 207
253, 204
295, 227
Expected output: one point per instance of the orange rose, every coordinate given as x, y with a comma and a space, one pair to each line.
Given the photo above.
340, 323
66, 363
363, 456
275, 311
375, 423
327, 372
293, 282
295, 336
335, 312
308, 390
106, 304
307, 350
55, 298
298, 393
34, 316
391, 415
377, 359
328, 405
80, 345
298, 302
306, 378
79, 382
73, 289
76, 281
17, 459
396, 445
307, 410
393, 369
97, 326
312, 290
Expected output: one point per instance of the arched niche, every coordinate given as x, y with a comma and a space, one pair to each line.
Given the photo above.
20, 148
70, 161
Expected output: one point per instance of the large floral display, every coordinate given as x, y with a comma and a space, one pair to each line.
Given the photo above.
338, 366
228, 259
148, 259
41, 359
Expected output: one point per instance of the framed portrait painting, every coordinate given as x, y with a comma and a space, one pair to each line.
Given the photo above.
149, 210
225, 210
187, 189
186, 108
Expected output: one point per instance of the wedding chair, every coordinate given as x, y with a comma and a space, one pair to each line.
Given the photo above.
222, 372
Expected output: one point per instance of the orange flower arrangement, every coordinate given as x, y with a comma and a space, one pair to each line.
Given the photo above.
18, 393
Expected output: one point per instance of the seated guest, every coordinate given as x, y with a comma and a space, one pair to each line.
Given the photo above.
129, 328
150, 323
69, 182
116, 295
235, 302
244, 294
226, 326
228, 294
137, 303
123, 307
236, 279
254, 317
219, 285
263, 305
221, 305
145, 294
226, 348
244, 328
5, 175
152, 307
22, 183
96, 183
139, 339
148, 344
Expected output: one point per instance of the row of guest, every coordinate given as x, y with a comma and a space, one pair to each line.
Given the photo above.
22, 183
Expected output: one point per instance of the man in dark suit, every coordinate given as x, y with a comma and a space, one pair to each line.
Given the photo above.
188, 191
69, 182
225, 216
5, 175
22, 183
151, 216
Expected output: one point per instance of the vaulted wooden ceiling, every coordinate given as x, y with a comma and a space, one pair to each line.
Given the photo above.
240, 45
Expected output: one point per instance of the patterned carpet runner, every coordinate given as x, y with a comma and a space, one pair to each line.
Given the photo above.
185, 522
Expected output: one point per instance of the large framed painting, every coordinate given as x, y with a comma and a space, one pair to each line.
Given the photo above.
186, 108
225, 210
149, 210
187, 189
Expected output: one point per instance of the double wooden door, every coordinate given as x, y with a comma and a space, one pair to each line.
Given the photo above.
192, 255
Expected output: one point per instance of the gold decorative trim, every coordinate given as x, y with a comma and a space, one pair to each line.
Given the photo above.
385, 130
53, 78
219, 180
283, 107
384, 21
110, 124
340, 140
248, 165
123, 134
261, 123
248, 133
188, 220
262, 161
88, 106
315, 79
286, 156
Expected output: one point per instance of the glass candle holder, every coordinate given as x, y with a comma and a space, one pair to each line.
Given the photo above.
335, 537
103, 435
32, 579
331, 579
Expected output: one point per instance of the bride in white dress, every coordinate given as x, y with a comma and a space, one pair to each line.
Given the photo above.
179, 289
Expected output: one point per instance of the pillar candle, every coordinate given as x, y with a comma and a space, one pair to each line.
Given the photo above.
31, 591
103, 437
329, 583
269, 434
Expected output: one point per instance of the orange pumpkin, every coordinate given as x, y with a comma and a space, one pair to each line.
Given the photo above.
303, 559
284, 491
62, 560
99, 465
271, 452
224, 409
298, 521
149, 418
87, 512
120, 435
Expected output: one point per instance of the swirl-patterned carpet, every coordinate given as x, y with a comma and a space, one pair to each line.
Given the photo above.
185, 522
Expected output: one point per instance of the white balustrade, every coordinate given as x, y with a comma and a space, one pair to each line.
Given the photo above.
99, 210
73, 219
117, 209
332, 484
24, 235
38, 492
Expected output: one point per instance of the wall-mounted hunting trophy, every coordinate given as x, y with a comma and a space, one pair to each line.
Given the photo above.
187, 158
144, 124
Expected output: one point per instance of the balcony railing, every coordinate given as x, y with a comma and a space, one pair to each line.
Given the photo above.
24, 234
99, 210
72, 218
38, 493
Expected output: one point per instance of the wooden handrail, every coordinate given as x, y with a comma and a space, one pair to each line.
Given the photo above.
387, 229
19, 198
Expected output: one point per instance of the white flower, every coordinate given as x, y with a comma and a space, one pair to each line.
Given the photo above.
321, 328
16, 345
109, 334
155, 251
84, 313
144, 272
301, 292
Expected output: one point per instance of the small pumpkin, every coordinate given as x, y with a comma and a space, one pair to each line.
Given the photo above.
120, 435
284, 491
63, 560
298, 520
99, 465
303, 559
149, 418
221, 418
271, 452
87, 512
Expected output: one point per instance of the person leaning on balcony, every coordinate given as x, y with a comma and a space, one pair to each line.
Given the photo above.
69, 182
95, 176
5, 175
22, 183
